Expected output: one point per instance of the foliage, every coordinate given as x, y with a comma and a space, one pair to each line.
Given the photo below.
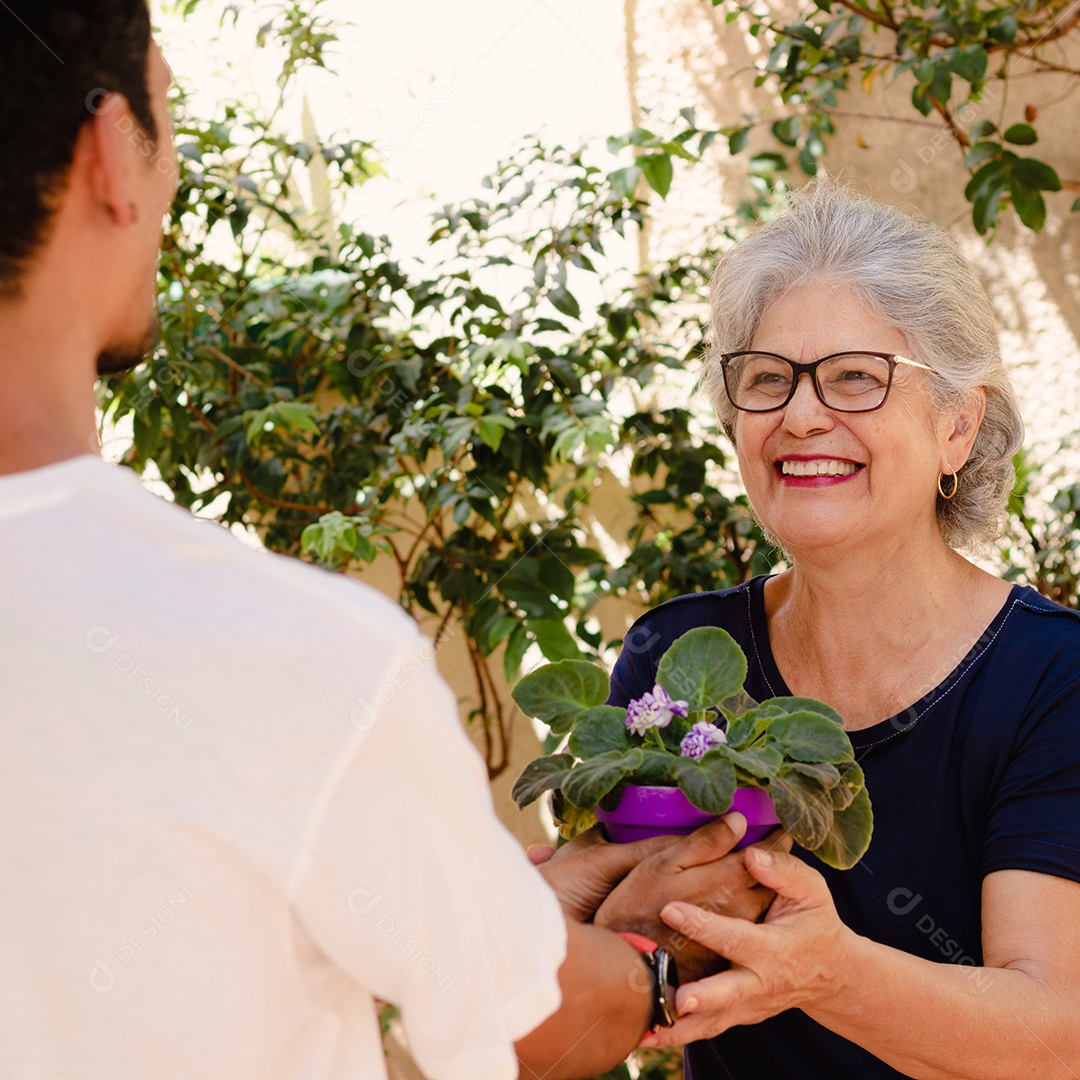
1041, 547
950, 53
794, 748
452, 418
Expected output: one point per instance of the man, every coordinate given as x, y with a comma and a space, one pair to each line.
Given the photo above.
217, 855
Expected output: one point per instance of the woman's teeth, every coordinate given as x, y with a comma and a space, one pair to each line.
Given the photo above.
830, 467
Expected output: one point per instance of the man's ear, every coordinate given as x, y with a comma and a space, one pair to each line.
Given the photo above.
110, 172
965, 427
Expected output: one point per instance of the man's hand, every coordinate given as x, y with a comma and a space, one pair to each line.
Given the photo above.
584, 871
699, 869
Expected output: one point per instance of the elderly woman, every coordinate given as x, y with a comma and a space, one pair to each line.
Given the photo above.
855, 365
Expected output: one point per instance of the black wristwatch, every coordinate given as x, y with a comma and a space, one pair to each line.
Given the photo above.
665, 973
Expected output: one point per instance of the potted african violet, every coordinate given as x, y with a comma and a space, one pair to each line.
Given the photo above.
692, 748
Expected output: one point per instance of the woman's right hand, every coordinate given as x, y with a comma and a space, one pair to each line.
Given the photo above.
794, 957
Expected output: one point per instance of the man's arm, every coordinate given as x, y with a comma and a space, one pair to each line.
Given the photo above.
606, 1007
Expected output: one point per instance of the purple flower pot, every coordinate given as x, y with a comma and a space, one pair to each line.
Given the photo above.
665, 811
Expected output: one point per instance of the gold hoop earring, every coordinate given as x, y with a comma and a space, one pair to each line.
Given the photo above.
955, 485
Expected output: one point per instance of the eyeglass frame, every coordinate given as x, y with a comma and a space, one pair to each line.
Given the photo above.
810, 369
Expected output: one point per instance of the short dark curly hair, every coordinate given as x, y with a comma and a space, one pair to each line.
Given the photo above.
56, 57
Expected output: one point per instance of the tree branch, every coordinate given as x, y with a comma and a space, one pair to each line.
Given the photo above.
281, 504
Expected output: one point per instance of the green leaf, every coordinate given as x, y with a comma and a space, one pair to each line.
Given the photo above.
786, 131
1075, 206
290, 415
921, 100
589, 781
624, 182
767, 163
709, 784
1020, 135
984, 211
804, 808
970, 63
1030, 205
491, 429
658, 768
147, 430
780, 706
658, 172
851, 783
746, 728
990, 177
828, 776
850, 835
331, 535
984, 192
737, 704
941, 84
598, 730
703, 667
1005, 30
1036, 174
565, 302
539, 776
555, 640
980, 152
809, 736
571, 819
738, 140
555, 692
981, 129
761, 761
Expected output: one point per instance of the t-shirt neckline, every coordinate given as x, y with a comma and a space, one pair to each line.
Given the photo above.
892, 726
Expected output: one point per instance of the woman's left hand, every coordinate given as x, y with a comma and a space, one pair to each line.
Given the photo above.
796, 955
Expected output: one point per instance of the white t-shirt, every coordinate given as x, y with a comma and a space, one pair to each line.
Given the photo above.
236, 805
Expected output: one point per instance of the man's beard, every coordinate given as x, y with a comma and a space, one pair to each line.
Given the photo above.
127, 354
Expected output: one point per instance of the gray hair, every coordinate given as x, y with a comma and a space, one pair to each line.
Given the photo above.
912, 275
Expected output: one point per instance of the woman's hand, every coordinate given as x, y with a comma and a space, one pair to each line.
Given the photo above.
796, 955
700, 869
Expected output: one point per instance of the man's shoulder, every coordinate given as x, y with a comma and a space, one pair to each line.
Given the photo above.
199, 570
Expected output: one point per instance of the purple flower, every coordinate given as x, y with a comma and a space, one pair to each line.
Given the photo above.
653, 710
700, 739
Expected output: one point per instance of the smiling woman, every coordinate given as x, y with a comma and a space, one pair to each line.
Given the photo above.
911, 278
855, 364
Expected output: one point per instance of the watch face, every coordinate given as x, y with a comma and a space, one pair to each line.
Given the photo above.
672, 975
667, 982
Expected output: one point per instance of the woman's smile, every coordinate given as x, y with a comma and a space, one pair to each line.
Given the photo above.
815, 470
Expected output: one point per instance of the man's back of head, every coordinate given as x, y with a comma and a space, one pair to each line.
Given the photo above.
59, 59
87, 171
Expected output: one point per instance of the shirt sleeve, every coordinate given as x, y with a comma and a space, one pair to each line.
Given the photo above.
1034, 817
416, 890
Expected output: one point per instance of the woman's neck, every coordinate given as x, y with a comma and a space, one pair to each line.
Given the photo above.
870, 637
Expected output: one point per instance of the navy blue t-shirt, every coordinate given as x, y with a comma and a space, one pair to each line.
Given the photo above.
980, 774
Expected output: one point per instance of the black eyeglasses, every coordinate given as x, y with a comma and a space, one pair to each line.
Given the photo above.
845, 382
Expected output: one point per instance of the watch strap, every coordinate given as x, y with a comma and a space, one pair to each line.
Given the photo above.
665, 978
